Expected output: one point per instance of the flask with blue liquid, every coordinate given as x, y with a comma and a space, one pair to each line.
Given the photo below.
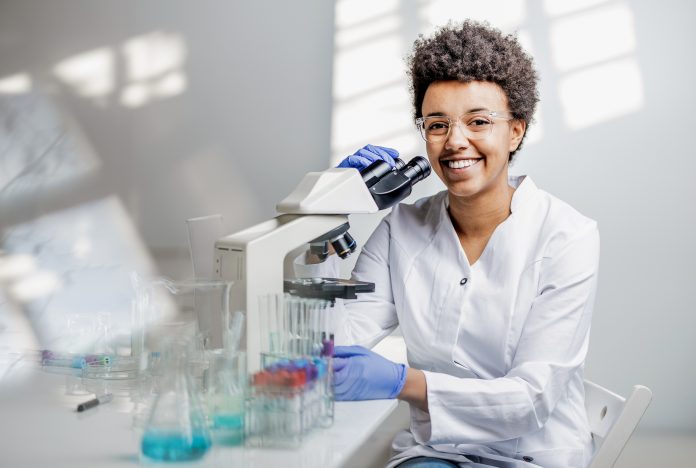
176, 430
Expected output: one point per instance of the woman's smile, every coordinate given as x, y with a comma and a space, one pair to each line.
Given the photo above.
459, 165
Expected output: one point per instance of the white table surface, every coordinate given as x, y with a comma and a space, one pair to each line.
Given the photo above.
40, 427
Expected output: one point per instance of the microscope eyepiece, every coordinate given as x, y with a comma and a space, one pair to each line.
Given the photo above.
389, 185
417, 169
375, 171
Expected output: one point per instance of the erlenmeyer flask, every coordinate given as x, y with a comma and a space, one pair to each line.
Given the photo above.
176, 429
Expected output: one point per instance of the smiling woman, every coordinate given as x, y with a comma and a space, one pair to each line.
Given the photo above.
468, 161
492, 281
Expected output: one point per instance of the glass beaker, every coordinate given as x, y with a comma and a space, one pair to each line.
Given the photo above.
176, 429
202, 233
226, 384
200, 307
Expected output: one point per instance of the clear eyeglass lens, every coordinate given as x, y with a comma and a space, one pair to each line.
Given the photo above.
437, 129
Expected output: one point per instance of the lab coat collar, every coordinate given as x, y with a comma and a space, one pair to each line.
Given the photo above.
525, 189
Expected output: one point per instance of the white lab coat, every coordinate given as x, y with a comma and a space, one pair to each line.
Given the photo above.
502, 342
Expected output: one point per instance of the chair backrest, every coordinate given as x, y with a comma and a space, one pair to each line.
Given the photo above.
612, 420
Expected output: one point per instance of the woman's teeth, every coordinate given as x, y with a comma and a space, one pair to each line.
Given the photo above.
461, 163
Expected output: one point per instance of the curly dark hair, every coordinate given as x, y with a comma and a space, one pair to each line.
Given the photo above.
473, 51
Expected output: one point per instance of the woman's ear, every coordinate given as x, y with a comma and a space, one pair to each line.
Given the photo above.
517, 129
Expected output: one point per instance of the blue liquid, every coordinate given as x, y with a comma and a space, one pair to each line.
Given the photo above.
228, 428
167, 446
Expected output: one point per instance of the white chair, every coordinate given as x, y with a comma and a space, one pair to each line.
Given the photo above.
612, 420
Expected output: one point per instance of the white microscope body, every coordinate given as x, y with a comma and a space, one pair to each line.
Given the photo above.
253, 258
316, 211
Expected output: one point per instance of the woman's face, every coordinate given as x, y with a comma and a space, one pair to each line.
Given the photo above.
471, 167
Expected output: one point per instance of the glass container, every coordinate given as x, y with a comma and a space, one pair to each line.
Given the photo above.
176, 429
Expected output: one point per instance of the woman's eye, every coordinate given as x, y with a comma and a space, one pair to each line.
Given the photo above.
437, 126
479, 122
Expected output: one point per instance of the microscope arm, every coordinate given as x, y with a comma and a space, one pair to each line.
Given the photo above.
317, 210
253, 258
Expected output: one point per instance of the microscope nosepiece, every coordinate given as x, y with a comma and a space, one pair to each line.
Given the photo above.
344, 245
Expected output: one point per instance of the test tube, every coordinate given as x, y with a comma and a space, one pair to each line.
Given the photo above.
77, 361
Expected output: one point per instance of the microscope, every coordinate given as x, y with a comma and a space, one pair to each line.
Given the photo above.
316, 212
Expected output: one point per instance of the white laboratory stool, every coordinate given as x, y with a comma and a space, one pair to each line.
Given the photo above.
612, 420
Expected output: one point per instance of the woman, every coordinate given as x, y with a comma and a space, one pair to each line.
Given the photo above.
492, 281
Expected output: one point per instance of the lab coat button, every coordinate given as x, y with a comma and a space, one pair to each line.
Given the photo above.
463, 281
528, 458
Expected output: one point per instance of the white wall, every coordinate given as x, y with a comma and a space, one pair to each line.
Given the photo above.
195, 153
252, 118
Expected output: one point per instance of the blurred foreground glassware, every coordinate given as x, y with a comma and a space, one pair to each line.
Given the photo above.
293, 392
164, 303
114, 368
202, 234
163, 309
226, 391
176, 429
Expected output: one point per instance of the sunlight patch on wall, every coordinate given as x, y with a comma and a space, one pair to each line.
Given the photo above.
563, 7
153, 55
388, 122
135, 95
606, 33
594, 95
525, 39
359, 33
169, 85
351, 13
535, 131
503, 14
90, 74
153, 68
362, 69
369, 73
15, 84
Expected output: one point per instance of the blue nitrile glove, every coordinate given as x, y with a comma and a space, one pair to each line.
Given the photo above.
369, 154
360, 374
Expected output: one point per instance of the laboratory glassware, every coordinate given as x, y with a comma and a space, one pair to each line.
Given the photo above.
162, 303
292, 393
226, 390
176, 429
202, 234
111, 368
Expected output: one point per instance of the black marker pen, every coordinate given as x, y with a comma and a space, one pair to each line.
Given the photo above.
94, 402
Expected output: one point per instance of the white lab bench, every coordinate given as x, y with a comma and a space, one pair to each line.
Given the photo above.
40, 427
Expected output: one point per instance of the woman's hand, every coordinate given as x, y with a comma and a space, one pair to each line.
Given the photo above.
369, 154
360, 374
